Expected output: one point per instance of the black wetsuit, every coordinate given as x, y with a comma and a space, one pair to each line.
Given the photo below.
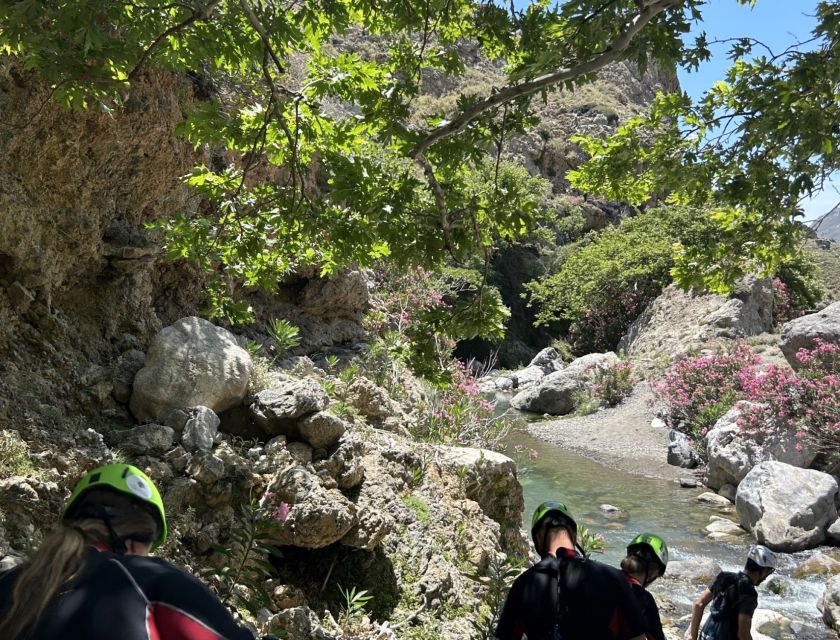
130, 598
742, 598
649, 611
597, 602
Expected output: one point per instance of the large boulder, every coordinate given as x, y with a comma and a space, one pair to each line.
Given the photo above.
548, 360
276, 410
731, 451
490, 480
527, 377
588, 365
747, 312
829, 605
554, 395
190, 363
787, 508
801, 333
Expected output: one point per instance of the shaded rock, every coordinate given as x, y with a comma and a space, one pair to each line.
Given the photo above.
20, 297
317, 516
300, 452
689, 483
818, 564
801, 333
124, 372
728, 491
200, 429
780, 585
276, 409
374, 521
829, 604
680, 451
190, 363
699, 571
787, 508
238, 421
206, 468
833, 532
554, 395
732, 452
747, 312
147, 439
344, 465
321, 430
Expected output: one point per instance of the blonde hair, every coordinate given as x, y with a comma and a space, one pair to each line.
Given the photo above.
60, 558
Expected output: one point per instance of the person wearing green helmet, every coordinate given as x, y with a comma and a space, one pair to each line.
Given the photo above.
92, 577
646, 560
566, 595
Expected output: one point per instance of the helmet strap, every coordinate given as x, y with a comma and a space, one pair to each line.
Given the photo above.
100, 512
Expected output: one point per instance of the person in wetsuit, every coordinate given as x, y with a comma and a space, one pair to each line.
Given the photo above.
646, 560
92, 578
736, 598
567, 596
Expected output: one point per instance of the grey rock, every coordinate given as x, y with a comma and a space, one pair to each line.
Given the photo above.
374, 521
728, 491
689, 483
317, 517
801, 333
206, 468
554, 395
818, 564
276, 409
548, 360
190, 363
787, 508
300, 451
504, 383
344, 465
124, 372
748, 311
147, 439
680, 451
200, 429
724, 529
833, 532
732, 451
713, 499
321, 430
700, 571
371, 400
829, 604
177, 419
527, 377
586, 366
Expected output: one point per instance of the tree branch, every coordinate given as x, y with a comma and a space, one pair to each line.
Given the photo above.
610, 54
201, 14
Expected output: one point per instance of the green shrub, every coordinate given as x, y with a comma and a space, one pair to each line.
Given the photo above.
14, 455
605, 280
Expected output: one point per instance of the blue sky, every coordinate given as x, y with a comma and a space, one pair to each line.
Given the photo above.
778, 24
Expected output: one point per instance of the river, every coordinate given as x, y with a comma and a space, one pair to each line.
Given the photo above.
548, 472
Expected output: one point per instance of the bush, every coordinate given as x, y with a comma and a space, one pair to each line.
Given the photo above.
614, 383
699, 390
609, 277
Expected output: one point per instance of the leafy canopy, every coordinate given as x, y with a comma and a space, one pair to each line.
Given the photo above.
750, 150
321, 164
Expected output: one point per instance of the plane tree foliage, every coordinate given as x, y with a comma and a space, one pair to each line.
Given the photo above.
749, 151
329, 168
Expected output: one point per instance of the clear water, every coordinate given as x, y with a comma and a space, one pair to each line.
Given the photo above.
548, 472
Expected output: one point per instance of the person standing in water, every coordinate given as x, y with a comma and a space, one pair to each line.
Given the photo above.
646, 560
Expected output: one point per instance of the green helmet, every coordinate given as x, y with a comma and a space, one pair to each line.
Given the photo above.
547, 508
126, 479
654, 543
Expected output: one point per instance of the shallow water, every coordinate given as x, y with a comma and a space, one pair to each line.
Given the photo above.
548, 472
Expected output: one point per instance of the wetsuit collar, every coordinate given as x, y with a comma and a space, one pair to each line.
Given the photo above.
631, 579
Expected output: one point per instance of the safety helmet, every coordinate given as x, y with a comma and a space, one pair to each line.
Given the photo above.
762, 556
654, 543
545, 510
126, 479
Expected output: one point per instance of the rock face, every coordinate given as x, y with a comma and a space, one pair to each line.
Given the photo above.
555, 395
189, 363
829, 605
587, 365
732, 452
801, 333
678, 321
787, 508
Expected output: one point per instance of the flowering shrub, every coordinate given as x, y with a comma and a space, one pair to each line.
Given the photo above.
614, 383
783, 307
700, 390
457, 414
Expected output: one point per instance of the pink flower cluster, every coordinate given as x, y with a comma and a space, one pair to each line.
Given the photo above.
699, 390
